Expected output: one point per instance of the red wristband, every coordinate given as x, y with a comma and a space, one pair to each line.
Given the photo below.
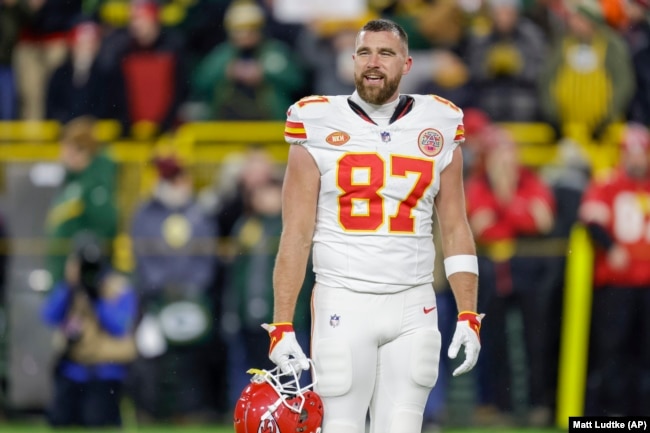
474, 320
277, 331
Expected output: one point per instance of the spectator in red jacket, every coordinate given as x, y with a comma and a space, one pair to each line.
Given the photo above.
616, 211
151, 59
509, 208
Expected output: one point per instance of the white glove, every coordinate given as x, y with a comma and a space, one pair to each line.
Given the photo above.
467, 334
284, 350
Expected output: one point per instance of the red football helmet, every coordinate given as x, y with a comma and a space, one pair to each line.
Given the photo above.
274, 402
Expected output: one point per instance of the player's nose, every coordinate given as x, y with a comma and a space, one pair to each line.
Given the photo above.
373, 61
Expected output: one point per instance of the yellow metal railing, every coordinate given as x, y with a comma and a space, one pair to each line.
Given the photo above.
206, 146
23, 140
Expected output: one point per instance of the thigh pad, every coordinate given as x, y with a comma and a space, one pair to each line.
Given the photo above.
425, 357
333, 363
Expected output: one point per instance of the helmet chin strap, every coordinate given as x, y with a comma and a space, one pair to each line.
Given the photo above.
272, 408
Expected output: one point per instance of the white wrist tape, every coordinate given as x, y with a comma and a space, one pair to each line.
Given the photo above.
461, 263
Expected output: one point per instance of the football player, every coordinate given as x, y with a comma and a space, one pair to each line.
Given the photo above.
365, 174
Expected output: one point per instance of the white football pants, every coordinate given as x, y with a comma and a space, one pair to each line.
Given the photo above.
376, 352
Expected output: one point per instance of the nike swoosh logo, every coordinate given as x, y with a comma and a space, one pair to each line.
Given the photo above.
428, 310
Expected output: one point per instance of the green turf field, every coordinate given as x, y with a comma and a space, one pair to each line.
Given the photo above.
39, 428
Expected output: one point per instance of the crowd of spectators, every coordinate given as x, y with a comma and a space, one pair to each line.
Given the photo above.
560, 62
556, 61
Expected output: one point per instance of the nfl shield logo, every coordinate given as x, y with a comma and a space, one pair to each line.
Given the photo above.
385, 136
334, 320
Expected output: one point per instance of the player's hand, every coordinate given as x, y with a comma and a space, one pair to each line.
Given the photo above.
284, 350
467, 333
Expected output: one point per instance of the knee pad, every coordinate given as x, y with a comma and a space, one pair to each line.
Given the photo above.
333, 363
425, 357
405, 421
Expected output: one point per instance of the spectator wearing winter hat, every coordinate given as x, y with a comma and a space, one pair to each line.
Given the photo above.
449, 79
151, 59
175, 254
249, 76
504, 64
172, 238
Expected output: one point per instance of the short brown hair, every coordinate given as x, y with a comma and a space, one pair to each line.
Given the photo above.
385, 25
80, 132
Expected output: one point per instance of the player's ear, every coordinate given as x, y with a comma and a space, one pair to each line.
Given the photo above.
407, 65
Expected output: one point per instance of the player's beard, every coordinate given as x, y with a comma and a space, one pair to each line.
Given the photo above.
377, 95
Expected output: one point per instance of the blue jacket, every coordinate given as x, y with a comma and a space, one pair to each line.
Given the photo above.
173, 248
116, 316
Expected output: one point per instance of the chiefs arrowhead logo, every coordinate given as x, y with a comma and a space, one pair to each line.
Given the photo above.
337, 138
268, 426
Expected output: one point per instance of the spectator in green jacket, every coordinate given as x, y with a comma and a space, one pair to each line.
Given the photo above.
85, 199
249, 76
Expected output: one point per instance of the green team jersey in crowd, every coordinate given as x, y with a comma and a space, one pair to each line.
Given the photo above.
84, 201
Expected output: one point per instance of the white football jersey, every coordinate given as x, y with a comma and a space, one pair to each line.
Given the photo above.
374, 219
